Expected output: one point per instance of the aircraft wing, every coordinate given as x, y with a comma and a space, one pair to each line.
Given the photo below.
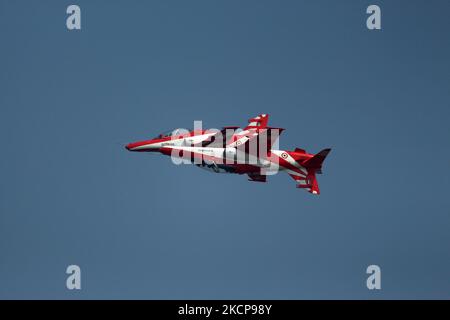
259, 121
257, 126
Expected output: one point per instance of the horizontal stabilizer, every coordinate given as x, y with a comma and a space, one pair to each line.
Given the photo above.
309, 183
298, 150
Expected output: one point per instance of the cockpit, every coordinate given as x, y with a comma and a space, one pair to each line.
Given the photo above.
171, 133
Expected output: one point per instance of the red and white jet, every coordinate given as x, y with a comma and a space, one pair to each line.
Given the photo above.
249, 151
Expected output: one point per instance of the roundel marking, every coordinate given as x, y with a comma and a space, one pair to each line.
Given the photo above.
284, 155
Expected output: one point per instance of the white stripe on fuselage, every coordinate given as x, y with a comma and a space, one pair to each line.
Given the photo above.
288, 158
175, 142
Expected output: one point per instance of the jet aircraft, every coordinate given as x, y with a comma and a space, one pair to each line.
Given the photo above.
251, 151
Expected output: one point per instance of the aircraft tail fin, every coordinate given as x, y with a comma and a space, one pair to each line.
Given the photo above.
316, 161
312, 166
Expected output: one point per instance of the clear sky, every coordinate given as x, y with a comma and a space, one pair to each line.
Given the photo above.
141, 227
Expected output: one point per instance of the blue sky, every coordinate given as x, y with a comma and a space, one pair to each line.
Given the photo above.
140, 227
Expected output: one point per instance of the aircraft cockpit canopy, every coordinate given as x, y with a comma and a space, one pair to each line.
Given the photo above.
171, 133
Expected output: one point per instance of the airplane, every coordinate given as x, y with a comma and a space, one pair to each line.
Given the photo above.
250, 151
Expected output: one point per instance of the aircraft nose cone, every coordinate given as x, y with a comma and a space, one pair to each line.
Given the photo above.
128, 147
